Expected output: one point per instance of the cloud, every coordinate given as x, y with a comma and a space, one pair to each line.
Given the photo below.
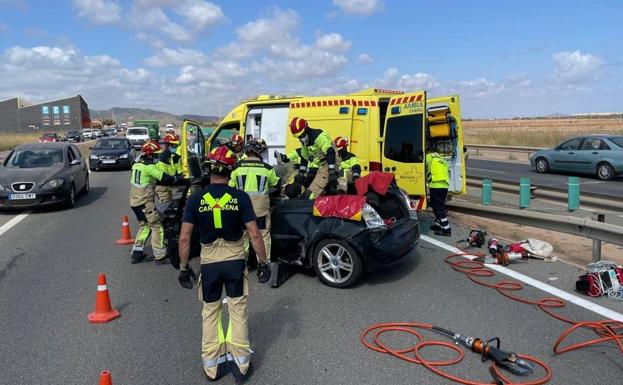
98, 11
168, 57
478, 88
333, 42
359, 7
201, 14
365, 59
574, 68
392, 79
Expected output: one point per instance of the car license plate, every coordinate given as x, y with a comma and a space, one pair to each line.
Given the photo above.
22, 196
109, 161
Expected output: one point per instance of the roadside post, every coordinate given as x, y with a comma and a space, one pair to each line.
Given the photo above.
524, 193
573, 196
597, 242
487, 186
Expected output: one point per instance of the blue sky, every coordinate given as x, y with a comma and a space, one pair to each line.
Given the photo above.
504, 58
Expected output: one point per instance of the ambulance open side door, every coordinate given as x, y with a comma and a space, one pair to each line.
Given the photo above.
404, 142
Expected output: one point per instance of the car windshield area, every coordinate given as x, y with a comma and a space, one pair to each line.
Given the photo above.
137, 131
35, 158
49, 135
403, 139
111, 144
618, 140
73, 133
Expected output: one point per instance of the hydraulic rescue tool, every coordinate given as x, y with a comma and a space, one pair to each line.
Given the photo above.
500, 254
507, 360
476, 238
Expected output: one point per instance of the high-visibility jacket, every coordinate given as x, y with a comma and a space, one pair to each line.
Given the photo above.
437, 171
349, 163
145, 175
170, 163
253, 177
319, 147
294, 156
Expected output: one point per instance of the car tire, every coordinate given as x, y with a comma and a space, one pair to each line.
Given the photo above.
336, 263
93, 168
87, 185
541, 165
605, 171
71, 198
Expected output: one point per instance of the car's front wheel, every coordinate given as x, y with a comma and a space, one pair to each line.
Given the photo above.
336, 263
71, 197
87, 185
542, 165
605, 171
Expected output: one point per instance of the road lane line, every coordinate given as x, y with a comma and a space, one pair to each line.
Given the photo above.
595, 308
7, 226
484, 169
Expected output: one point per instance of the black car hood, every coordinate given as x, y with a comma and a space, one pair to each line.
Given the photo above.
37, 175
110, 152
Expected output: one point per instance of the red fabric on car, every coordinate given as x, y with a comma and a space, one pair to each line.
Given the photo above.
377, 181
339, 206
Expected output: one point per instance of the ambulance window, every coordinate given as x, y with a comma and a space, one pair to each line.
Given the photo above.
224, 134
362, 111
403, 139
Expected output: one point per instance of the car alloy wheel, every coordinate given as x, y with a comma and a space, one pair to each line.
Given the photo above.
605, 171
71, 199
336, 263
542, 165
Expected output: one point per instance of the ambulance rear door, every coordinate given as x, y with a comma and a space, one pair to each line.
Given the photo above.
404, 142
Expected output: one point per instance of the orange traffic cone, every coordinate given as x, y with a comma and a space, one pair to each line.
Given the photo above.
126, 236
103, 309
105, 378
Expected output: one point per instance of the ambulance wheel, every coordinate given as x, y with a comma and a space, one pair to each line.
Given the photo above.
336, 263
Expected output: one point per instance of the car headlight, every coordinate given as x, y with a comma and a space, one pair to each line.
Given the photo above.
53, 183
94, 157
371, 217
123, 156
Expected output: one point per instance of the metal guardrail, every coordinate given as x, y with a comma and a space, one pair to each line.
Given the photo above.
491, 147
584, 227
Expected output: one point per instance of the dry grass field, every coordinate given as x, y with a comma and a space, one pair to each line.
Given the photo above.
536, 132
8, 141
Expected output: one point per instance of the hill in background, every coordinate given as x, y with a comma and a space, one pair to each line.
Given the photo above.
128, 115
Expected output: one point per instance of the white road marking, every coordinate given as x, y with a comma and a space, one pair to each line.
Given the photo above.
484, 169
7, 226
595, 308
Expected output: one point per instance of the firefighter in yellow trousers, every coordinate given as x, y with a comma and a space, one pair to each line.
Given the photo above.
220, 212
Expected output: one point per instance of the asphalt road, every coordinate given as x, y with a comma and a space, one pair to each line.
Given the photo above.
302, 333
512, 171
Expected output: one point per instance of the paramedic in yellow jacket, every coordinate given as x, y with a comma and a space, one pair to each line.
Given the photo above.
171, 164
257, 179
350, 169
438, 178
316, 146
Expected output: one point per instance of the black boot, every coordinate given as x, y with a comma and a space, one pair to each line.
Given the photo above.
444, 232
139, 256
239, 377
435, 227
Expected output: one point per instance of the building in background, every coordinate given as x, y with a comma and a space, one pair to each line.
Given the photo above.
18, 115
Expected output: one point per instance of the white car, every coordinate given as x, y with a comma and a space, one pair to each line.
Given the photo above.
137, 136
87, 133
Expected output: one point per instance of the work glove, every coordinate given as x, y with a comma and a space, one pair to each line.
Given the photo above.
355, 177
300, 177
180, 180
281, 157
332, 185
186, 273
263, 272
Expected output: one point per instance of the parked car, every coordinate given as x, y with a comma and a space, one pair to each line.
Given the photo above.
600, 155
40, 174
97, 133
87, 134
137, 136
73, 136
49, 137
339, 250
111, 131
111, 152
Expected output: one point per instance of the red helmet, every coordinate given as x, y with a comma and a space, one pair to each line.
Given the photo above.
171, 139
236, 139
151, 147
298, 126
340, 142
222, 156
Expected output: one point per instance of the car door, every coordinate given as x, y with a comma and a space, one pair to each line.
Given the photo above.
565, 155
78, 167
591, 152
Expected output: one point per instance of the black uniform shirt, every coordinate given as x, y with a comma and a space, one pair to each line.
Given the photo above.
204, 212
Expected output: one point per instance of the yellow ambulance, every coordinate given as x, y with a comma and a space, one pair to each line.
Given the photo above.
387, 130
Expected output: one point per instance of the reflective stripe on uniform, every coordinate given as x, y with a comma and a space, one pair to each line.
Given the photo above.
216, 206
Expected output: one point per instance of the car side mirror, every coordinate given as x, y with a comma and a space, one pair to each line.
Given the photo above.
75, 162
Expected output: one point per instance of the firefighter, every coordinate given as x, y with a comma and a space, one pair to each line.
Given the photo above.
316, 146
257, 179
220, 212
350, 169
171, 164
144, 177
438, 178
235, 145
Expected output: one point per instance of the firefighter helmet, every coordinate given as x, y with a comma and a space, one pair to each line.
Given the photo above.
222, 157
340, 142
171, 139
263, 143
236, 139
254, 145
298, 126
151, 147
